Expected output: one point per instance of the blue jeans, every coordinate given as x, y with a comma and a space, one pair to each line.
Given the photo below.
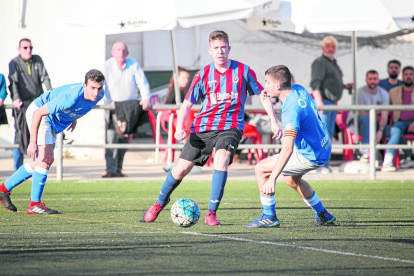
17, 155
363, 121
328, 118
397, 136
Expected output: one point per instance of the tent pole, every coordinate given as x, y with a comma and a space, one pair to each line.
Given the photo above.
354, 94
175, 68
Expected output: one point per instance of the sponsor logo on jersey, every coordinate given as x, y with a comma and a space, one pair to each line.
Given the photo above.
212, 81
223, 97
302, 103
324, 140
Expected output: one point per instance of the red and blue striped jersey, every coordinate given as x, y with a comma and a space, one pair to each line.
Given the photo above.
222, 96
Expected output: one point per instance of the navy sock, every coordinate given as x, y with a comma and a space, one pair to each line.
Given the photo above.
167, 188
23, 173
217, 189
38, 183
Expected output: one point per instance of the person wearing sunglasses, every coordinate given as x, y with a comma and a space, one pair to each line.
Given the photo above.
27, 73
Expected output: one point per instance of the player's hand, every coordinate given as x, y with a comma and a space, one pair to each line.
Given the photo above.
17, 103
277, 131
318, 104
145, 104
269, 187
180, 134
32, 150
72, 126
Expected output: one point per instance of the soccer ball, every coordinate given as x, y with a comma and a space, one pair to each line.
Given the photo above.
185, 212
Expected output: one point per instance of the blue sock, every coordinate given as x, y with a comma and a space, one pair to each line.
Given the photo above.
23, 173
269, 205
167, 188
38, 183
315, 203
217, 189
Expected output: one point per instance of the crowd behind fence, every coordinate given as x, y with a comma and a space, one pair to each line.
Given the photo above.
372, 146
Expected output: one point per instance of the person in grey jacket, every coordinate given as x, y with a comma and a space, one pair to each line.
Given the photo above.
27, 73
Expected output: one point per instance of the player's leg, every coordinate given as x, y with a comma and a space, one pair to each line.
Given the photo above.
268, 216
322, 216
225, 143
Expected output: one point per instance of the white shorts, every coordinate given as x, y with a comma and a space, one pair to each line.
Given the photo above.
297, 164
45, 134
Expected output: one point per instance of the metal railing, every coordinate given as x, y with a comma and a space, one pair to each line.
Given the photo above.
372, 146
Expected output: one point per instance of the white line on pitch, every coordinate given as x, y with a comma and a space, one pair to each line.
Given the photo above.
302, 247
83, 232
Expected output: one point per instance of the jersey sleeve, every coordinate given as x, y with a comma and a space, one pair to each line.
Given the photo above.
195, 92
60, 103
253, 86
290, 118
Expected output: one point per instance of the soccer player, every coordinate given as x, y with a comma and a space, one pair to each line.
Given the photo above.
222, 88
306, 147
48, 115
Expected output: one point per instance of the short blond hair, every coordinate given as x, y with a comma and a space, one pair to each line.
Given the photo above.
328, 40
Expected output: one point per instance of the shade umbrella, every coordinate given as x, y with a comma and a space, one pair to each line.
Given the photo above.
112, 17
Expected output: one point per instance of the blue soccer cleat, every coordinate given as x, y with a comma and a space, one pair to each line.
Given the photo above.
264, 221
324, 218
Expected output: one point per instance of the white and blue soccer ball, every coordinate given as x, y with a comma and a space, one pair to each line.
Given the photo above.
185, 212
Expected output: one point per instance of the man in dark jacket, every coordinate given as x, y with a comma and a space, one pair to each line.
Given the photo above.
26, 75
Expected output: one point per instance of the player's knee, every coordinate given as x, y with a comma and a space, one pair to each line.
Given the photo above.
259, 170
222, 158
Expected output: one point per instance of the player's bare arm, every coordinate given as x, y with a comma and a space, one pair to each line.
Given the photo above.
72, 126
288, 145
32, 149
180, 133
267, 104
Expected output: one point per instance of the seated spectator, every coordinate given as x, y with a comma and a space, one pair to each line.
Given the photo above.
183, 78
403, 120
393, 69
371, 94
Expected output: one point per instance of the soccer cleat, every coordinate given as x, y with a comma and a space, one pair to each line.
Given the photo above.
39, 208
324, 218
5, 200
154, 211
210, 219
264, 221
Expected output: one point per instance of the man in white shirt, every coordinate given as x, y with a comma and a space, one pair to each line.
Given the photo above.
124, 78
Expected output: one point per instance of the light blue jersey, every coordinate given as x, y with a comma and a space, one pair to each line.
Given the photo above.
299, 114
65, 104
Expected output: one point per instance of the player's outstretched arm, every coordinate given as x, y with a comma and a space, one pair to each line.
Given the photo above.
267, 104
72, 126
180, 133
288, 144
37, 117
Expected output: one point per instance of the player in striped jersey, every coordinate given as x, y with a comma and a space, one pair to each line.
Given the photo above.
306, 146
222, 87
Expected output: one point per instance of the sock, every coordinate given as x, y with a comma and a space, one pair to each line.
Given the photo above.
314, 203
38, 183
269, 205
23, 173
167, 188
217, 189
388, 158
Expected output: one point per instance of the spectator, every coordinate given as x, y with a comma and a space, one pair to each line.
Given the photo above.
124, 78
26, 75
394, 68
403, 120
182, 79
327, 85
371, 94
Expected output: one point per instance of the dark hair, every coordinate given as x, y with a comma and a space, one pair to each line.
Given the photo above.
218, 35
394, 61
171, 84
281, 74
371, 72
408, 68
24, 39
94, 75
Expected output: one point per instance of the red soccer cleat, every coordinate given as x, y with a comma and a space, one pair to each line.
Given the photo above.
153, 212
210, 219
39, 208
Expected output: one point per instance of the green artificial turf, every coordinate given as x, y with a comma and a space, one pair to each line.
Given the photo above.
99, 231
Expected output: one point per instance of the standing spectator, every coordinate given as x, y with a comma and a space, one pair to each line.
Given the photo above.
124, 78
403, 120
182, 79
371, 94
394, 69
327, 85
26, 75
